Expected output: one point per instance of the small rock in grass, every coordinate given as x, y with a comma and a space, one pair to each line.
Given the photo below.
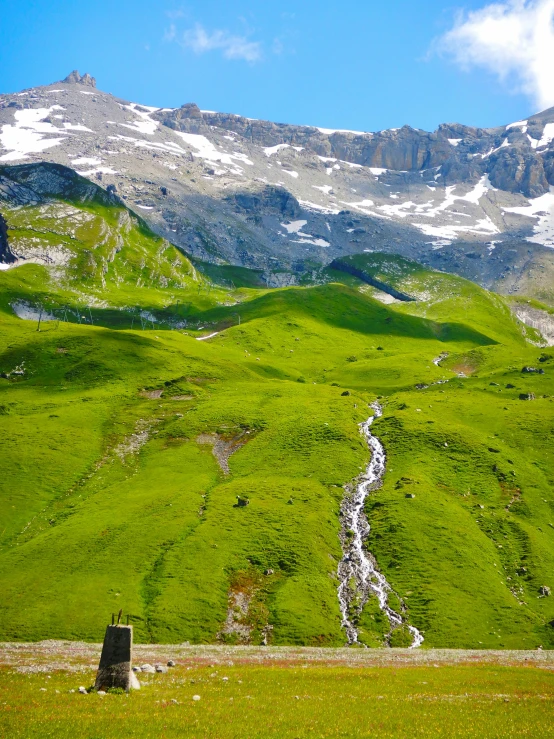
101, 692
410, 495
82, 690
225, 679
43, 690
161, 668
195, 697
174, 700
544, 590
136, 669
345, 393
170, 663
147, 668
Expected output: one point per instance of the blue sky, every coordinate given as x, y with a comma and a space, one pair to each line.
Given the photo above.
354, 64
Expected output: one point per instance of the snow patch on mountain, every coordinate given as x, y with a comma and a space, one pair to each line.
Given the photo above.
542, 209
27, 135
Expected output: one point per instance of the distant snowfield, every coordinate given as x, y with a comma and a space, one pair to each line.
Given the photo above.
97, 170
205, 149
294, 226
86, 160
270, 150
331, 131
27, 135
543, 209
146, 124
547, 136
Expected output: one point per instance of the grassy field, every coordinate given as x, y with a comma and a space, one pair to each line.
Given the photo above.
280, 693
125, 451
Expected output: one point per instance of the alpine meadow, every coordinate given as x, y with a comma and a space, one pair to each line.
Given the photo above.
278, 402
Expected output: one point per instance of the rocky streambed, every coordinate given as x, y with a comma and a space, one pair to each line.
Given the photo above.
360, 578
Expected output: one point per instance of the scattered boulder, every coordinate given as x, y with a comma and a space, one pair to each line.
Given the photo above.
148, 669
410, 495
170, 663
345, 393
161, 668
269, 571
242, 502
544, 590
527, 396
82, 690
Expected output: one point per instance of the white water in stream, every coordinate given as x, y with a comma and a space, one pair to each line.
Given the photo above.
358, 565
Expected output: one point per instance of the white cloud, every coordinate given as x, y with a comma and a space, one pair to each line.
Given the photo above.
232, 47
514, 40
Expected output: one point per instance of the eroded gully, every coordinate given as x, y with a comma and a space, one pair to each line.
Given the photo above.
358, 573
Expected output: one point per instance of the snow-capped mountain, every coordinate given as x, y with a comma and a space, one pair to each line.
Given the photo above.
290, 198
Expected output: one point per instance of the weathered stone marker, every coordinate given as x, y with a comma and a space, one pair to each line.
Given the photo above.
115, 666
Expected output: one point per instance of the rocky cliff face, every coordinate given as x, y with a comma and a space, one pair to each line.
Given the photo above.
289, 199
516, 158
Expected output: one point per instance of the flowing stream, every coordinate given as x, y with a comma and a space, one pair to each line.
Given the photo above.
358, 573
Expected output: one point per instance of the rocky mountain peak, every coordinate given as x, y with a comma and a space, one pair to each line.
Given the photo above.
77, 79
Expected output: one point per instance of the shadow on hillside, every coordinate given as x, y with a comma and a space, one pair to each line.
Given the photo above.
335, 305
341, 307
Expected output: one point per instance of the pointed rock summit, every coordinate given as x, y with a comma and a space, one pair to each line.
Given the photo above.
76, 79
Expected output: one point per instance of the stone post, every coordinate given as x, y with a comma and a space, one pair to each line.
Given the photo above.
115, 670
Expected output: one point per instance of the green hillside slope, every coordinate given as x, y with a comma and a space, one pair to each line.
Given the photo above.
128, 453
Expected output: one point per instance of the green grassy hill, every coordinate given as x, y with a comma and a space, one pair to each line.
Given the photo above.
127, 445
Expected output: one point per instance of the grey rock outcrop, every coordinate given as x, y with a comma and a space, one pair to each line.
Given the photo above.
276, 200
518, 170
6, 257
77, 79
